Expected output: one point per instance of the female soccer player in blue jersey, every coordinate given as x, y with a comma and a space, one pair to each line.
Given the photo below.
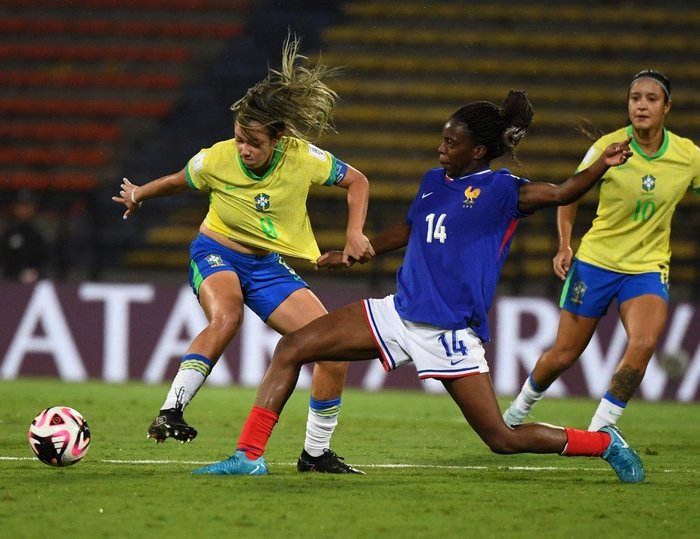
458, 232
624, 256
258, 183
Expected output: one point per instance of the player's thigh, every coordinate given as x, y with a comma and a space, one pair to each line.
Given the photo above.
342, 335
221, 297
644, 318
298, 309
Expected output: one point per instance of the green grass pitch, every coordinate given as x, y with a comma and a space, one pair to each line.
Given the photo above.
428, 475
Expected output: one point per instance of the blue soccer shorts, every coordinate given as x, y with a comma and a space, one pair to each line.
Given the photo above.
589, 290
266, 281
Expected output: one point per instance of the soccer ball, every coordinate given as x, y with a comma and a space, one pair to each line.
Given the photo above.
59, 436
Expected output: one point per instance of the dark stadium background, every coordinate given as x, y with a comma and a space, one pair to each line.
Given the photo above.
95, 90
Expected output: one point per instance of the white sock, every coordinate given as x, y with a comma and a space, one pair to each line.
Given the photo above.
194, 370
528, 396
609, 411
320, 424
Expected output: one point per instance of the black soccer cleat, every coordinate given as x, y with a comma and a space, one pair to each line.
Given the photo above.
171, 424
329, 462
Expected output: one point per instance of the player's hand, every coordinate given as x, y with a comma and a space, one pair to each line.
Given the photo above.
357, 249
562, 262
332, 260
618, 153
127, 196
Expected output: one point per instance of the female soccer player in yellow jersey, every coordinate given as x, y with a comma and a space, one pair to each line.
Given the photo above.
625, 254
258, 183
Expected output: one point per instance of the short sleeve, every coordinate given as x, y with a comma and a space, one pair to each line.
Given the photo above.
591, 155
195, 171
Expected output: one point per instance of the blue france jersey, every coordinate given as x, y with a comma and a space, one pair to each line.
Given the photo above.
461, 231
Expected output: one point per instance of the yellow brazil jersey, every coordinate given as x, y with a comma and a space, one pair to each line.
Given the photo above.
632, 228
269, 211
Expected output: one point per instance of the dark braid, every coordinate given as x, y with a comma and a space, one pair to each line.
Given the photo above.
588, 129
499, 129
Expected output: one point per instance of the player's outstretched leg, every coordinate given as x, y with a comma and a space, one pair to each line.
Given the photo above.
236, 464
328, 462
171, 424
622, 458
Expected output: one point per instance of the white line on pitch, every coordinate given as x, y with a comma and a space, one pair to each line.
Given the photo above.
388, 466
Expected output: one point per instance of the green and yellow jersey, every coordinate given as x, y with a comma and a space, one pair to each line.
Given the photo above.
632, 228
269, 211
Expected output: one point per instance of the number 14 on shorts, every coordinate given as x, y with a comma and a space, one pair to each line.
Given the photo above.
452, 344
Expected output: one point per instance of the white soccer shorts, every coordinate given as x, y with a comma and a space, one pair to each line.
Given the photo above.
435, 352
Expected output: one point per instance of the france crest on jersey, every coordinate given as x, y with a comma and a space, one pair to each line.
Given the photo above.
461, 231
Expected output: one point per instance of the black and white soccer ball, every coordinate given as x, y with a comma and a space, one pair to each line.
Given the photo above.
59, 436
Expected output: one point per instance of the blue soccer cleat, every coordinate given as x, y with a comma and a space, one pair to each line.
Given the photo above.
622, 458
236, 464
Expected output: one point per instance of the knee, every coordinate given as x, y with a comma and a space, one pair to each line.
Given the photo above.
643, 345
226, 325
501, 442
290, 349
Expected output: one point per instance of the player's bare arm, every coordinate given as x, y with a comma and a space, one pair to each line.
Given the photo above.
394, 237
536, 195
357, 245
132, 196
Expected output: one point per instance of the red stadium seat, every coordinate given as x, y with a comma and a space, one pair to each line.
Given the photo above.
49, 181
112, 107
86, 79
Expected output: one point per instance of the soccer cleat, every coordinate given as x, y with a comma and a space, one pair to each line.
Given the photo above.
329, 462
236, 464
514, 416
171, 424
622, 458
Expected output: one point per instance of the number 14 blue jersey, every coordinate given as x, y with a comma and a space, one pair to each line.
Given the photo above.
461, 231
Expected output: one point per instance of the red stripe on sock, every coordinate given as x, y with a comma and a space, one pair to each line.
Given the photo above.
583, 443
257, 431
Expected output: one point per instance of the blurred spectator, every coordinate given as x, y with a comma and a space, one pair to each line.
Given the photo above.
23, 246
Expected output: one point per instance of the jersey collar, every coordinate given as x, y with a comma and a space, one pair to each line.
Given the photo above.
640, 152
461, 178
276, 155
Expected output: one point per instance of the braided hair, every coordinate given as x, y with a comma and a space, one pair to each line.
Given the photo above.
293, 100
499, 129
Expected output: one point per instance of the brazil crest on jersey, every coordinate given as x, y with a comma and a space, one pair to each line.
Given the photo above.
632, 229
269, 211
461, 231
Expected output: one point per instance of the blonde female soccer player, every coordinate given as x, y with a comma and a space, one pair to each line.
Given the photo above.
258, 183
